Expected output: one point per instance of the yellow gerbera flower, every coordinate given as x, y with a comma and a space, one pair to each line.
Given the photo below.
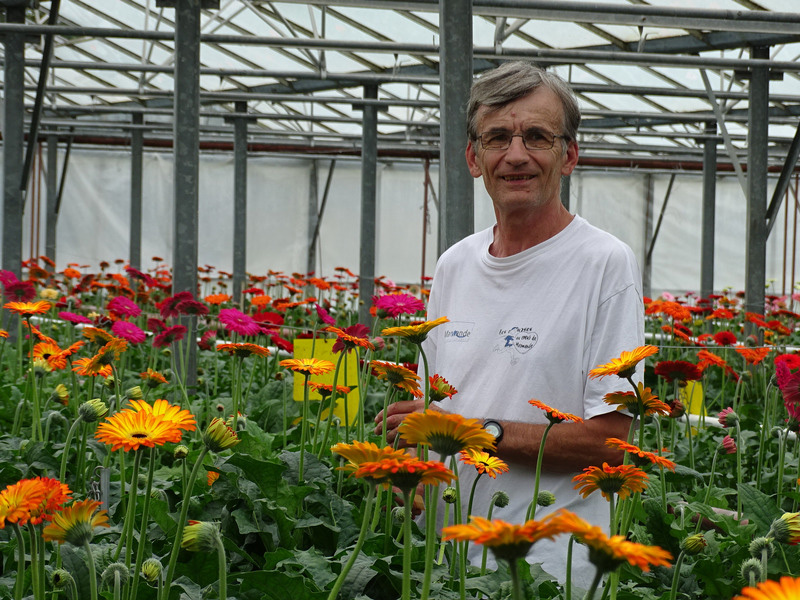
28, 309
787, 588
179, 417
131, 429
445, 433
76, 523
416, 334
629, 401
398, 376
625, 365
484, 462
622, 480
308, 366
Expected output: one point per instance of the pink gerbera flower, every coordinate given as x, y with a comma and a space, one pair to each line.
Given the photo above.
123, 308
324, 316
789, 384
169, 335
238, 322
74, 318
128, 331
394, 305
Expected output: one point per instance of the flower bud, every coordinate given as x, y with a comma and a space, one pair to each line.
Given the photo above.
786, 528
158, 494
728, 445
545, 498
398, 515
112, 571
728, 418
449, 495
151, 570
500, 499
760, 545
676, 409
92, 410
109, 381
61, 579
218, 436
41, 367
200, 536
134, 393
694, 544
751, 570
180, 452
60, 394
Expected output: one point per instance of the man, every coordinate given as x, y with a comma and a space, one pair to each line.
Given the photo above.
534, 303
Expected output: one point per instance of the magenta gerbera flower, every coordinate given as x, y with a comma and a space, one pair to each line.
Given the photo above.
169, 335
123, 308
128, 331
20, 291
74, 318
167, 307
191, 307
394, 305
324, 316
789, 384
137, 274
238, 322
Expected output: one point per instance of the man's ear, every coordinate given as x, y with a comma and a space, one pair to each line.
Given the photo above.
472, 160
571, 159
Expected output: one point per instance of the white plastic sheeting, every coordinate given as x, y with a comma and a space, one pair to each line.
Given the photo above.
94, 220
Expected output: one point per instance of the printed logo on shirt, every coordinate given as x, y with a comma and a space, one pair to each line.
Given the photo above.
516, 341
458, 331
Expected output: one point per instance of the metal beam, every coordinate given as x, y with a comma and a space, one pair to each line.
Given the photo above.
366, 277
51, 221
239, 203
137, 156
708, 223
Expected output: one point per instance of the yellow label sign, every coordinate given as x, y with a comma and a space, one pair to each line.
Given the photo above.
691, 395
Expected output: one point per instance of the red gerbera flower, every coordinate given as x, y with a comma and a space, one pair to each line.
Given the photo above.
169, 335
725, 338
678, 370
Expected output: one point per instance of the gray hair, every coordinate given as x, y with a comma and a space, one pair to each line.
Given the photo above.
513, 80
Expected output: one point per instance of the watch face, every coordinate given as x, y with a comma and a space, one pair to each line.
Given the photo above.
493, 428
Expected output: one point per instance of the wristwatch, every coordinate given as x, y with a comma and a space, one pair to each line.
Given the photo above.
495, 429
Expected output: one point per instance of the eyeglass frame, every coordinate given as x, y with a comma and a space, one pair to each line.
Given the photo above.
522, 136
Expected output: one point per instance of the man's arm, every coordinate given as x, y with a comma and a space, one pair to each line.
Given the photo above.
569, 447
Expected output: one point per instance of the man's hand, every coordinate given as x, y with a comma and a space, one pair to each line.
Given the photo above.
395, 414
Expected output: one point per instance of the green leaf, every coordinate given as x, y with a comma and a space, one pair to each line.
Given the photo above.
74, 560
268, 475
254, 441
277, 585
311, 562
313, 470
758, 507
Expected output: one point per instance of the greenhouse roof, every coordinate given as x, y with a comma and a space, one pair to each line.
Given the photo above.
650, 76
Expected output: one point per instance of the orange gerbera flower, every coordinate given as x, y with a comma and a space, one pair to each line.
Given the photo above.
786, 588
484, 462
326, 389
153, 378
440, 388
76, 523
179, 417
243, 349
28, 309
211, 477
445, 433
19, 499
625, 365
39, 335
416, 334
629, 401
398, 376
753, 356
641, 457
55, 494
3, 333
308, 366
51, 354
405, 473
553, 415
622, 480
350, 341
608, 553
706, 358
97, 335
217, 298
85, 367
130, 430
507, 541
358, 453
260, 300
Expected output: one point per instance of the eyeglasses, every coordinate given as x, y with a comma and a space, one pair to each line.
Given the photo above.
532, 139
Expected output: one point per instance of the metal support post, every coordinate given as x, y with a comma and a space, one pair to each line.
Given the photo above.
709, 211
649, 207
313, 222
756, 257
186, 168
51, 220
137, 153
369, 163
456, 185
239, 202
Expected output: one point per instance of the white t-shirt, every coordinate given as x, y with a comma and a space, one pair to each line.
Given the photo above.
528, 326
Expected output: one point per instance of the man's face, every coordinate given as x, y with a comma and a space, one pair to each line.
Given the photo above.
518, 178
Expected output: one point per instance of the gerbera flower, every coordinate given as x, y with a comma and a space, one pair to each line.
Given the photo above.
123, 307
406, 473
398, 376
167, 307
641, 457
96, 335
3, 333
218, 436
553, 415
19, 499
50, 353
238, 322
786, 529
484, 462
727, 417
74, 318
55, 495
506, 540
728, 444
308, 366
28, 309
326, 389
709, 358
282, 344
87, 367
243, 350
217, 298
111, 351
169, 335
788, 383
365, 452
128, 331
321, 313
622, 480
211, 477
350, 337
190, 306
445, 433
753, 356
131, 429
76, 523
179, 417
440, 388
394, 305
678, 370
786, 588
153, 378
629, 401
21, 291
625, 365
725, 338
608, 553
416, 334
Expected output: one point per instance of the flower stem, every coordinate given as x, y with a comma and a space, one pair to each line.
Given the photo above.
673, 591
67, 443
516, 587
143, 526
593, 588
533, 504
20, 562
303, 430
365, 519
430, 539
92, 573
407, 501
223, 569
